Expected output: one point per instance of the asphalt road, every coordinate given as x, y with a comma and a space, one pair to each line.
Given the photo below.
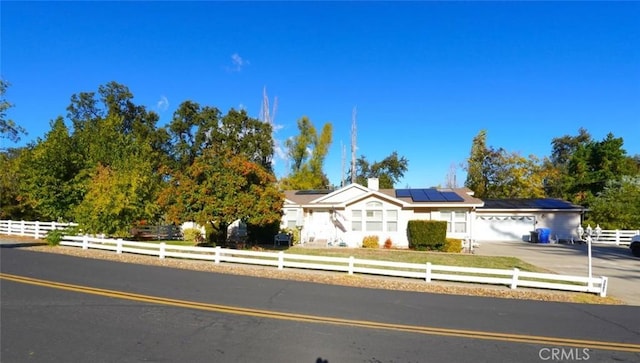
615, 262
58, 308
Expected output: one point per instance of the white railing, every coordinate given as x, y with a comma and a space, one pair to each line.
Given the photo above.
33, 229
615, 237
513, 278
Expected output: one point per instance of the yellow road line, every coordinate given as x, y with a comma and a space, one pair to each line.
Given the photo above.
472, 334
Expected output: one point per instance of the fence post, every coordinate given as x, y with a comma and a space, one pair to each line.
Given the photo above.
281, 260
162, 250
603, 286
351, 258
617, 237
85, 242
217, 258
427, 277
119, 245
22, 228
514, 279
37, 231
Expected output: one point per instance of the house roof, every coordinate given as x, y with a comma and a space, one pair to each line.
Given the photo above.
456, 196
533, 203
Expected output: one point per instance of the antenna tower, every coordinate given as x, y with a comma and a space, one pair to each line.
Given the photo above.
353, 145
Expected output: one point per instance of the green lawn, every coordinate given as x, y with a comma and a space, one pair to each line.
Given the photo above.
436, 258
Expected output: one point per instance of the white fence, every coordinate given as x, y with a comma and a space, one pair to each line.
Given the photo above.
513, 278
429, 272
31, 229
615, 237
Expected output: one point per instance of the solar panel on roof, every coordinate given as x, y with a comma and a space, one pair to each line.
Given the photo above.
403, 193
452, 197
437, 196
418, 195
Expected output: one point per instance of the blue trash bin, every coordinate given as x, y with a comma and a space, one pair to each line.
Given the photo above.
543, 235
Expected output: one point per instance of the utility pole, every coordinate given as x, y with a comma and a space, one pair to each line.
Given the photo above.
353, 145
344, 160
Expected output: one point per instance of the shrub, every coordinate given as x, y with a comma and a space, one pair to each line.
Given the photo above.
388, 243
452, 245
54, 237
426, 235
370, 242
192, 235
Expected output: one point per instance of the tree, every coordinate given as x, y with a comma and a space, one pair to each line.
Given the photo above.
218, 189
477, 172
618, 205
8, 128
12, 204
48, 174
118, 197
388, 171
308, 151
221, 168
497, 173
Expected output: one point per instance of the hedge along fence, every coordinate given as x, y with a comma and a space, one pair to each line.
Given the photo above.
428, 272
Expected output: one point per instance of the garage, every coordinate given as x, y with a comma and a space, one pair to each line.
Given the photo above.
504, 227
515, 219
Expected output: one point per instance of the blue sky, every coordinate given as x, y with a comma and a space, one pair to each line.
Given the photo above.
425, 77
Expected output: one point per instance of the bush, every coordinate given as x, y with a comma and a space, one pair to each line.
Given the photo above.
192, 235
370, 242
54, 237
426, 235
452, 245
388, 243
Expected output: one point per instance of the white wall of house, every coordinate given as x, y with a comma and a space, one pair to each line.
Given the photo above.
517, 226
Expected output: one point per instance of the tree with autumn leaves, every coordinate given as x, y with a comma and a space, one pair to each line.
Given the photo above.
220, 170
114, 167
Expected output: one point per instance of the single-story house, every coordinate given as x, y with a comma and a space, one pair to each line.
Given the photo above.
346, 215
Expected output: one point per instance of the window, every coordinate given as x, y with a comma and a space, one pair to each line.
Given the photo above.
291, 218
456, 221
374, 216
392, 220
356, 220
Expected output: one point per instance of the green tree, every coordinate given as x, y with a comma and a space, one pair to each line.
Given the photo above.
478, 165
8, 128
118, 197
12, 204
48, 174
618, 205
388, 171
497, 173
308, 151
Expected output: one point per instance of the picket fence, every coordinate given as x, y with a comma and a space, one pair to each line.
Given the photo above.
428, 272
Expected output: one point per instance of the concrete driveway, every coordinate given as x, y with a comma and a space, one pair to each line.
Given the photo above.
614, 262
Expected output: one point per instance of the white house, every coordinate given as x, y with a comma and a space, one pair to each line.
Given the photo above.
346, 215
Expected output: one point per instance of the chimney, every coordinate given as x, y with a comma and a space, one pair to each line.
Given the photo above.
373, 183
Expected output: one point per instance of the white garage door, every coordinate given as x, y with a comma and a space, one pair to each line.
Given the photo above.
503, 228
